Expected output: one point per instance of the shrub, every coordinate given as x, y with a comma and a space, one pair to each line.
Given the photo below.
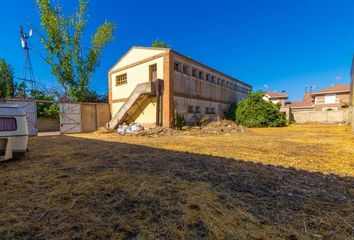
257, 112
231, 112
202, 121
179, 121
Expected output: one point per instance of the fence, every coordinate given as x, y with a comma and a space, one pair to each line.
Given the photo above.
83, 117
339, 116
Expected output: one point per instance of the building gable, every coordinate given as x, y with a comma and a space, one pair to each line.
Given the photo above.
136, 54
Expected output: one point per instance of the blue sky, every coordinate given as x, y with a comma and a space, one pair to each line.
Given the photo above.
283, 44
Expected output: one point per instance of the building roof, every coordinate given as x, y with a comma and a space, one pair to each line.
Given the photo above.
300, 104
334, 89
276, 95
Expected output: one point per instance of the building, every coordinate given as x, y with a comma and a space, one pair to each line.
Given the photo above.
332, 98
299, 106
150, 85
276, 97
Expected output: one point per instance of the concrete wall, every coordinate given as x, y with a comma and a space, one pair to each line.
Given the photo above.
48, 124
340, 116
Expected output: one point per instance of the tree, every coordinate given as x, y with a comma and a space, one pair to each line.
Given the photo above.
7, 85
46, 107
159, 44
70, 63
257, 112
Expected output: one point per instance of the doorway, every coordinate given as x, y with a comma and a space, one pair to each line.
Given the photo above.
153, 73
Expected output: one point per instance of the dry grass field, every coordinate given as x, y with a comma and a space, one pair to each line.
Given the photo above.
276, 183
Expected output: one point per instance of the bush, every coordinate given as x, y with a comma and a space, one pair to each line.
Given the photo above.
179, 121
231, 112
202, 121
257, 112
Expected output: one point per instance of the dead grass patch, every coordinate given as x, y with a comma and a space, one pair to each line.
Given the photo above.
290, 183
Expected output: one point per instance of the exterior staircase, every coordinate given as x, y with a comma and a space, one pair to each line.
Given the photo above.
141, 92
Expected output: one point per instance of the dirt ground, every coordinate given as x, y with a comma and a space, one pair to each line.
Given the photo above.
276, 183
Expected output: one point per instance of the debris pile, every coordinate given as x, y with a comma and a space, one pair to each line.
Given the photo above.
133, 128
222, 126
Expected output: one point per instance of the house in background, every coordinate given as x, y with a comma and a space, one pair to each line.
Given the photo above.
299, 106
276, 97
332, 98
149, 85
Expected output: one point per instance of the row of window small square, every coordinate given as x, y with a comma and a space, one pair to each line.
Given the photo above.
196, 109
209, 78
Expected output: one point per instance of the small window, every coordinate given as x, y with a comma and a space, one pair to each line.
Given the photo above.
176, 66
190, 109
212, 110
121, 79
194, 72
185, 69
213, 79
207, 110
197, 109
207, 77
201, 75
8, 124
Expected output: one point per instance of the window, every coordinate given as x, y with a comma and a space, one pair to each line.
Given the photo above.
8, 124
185, 69
201, 75
194, 72
176, 66
213, 79
190, 109
207, 77
330, 98
121, 79
212, 110
197, 109
207, 110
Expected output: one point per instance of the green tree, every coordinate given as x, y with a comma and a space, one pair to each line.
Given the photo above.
45, 106
231, 112
72, 62
257, 112
159, 44
7, 85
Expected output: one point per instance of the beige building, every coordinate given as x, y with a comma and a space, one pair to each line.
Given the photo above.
149, 85
276, 97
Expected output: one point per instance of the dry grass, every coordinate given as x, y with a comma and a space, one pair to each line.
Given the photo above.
284, 183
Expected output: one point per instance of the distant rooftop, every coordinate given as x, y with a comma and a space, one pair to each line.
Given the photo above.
277, 95
335, 88
300, 104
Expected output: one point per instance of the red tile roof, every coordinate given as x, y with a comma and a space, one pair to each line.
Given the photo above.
277, 95
300, 104
335, 88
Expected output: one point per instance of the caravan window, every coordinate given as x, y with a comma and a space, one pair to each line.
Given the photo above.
8, 124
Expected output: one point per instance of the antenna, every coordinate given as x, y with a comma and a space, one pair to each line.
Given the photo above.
28, 76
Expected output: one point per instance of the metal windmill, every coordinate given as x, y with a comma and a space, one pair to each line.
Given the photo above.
28, 76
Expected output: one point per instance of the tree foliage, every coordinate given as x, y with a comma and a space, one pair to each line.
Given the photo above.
257, 112
72, 62
7, 85
159, 44
46, 106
